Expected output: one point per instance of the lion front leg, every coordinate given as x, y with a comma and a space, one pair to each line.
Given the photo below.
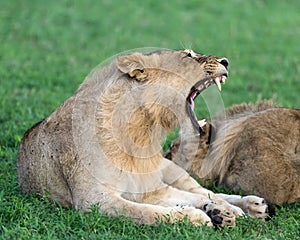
144, 213
211, 202
220, 211
115, 204
253, 206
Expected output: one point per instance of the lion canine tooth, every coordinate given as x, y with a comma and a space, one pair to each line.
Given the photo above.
202, 122
217, 82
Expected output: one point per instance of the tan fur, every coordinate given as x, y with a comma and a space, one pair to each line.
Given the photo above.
102, 145
256, 149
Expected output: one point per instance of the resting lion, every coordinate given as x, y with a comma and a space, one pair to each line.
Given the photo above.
256, 149
102, 146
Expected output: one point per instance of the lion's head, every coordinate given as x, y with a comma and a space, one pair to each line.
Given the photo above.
185, 72
140, 97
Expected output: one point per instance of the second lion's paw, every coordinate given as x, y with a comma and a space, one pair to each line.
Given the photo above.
255, 207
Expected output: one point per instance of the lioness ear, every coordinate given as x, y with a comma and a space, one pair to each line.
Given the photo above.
133, 65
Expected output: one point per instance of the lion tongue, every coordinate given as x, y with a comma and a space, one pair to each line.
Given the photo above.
192, 97
192, 103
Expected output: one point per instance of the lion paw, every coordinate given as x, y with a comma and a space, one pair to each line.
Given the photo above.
196, 216
255, 207
222, 215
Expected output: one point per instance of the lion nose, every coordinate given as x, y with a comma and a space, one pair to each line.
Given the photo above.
224, 62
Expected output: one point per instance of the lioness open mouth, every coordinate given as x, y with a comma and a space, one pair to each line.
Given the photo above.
196, 90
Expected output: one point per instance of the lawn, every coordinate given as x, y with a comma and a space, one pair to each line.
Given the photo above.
48, 47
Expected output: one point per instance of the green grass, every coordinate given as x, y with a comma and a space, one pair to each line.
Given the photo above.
47, 48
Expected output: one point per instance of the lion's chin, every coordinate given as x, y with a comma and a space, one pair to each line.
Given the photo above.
195, 91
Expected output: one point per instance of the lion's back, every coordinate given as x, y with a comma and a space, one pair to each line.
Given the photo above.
267, 155
46, 156
25, 166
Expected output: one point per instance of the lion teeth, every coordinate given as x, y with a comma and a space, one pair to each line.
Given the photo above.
202, 123
218, 83
223, 79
